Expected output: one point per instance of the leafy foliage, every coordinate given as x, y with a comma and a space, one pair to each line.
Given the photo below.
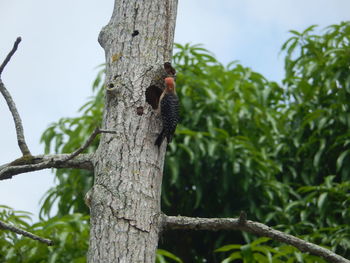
70, 234
9, 239
318, 87
279, 152
259, 251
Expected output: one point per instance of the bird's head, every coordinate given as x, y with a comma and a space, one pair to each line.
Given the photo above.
170, 83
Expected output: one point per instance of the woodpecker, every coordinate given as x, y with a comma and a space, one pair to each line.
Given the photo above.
169, 110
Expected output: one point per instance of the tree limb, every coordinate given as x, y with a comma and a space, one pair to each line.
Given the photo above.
87, 143
17, 230
12, 106
213, 224
10, 54
34, 163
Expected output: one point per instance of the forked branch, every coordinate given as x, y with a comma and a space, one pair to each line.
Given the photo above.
17, 230
214, 224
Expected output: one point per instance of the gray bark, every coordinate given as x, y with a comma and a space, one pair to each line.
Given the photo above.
125, 198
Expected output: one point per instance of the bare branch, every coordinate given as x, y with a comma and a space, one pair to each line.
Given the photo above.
17, 230
8, 57
34, 163
213, 224
87, 143
12, 106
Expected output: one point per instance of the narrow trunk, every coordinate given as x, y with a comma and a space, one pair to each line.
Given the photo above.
125, 198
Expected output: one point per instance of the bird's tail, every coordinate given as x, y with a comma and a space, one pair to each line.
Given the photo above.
160, 139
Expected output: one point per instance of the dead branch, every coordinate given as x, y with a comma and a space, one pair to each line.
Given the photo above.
12, 106
34, 163
87, 143
10, 54
214, 224
17, 230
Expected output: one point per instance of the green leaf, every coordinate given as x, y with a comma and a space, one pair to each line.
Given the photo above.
260, 241
341, 158
168, 255
228, 248
321, 200
319, 153
232, 257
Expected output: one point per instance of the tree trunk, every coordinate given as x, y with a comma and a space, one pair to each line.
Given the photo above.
125, 198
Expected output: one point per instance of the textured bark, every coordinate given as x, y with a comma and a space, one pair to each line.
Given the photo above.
125, 198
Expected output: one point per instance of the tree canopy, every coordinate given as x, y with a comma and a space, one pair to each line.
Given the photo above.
278, 151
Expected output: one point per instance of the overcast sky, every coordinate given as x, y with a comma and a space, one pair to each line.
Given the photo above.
51, 74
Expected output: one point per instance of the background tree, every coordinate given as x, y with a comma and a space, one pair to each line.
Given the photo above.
278, 152
239, 142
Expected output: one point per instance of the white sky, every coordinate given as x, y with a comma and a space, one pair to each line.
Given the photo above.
51, 74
